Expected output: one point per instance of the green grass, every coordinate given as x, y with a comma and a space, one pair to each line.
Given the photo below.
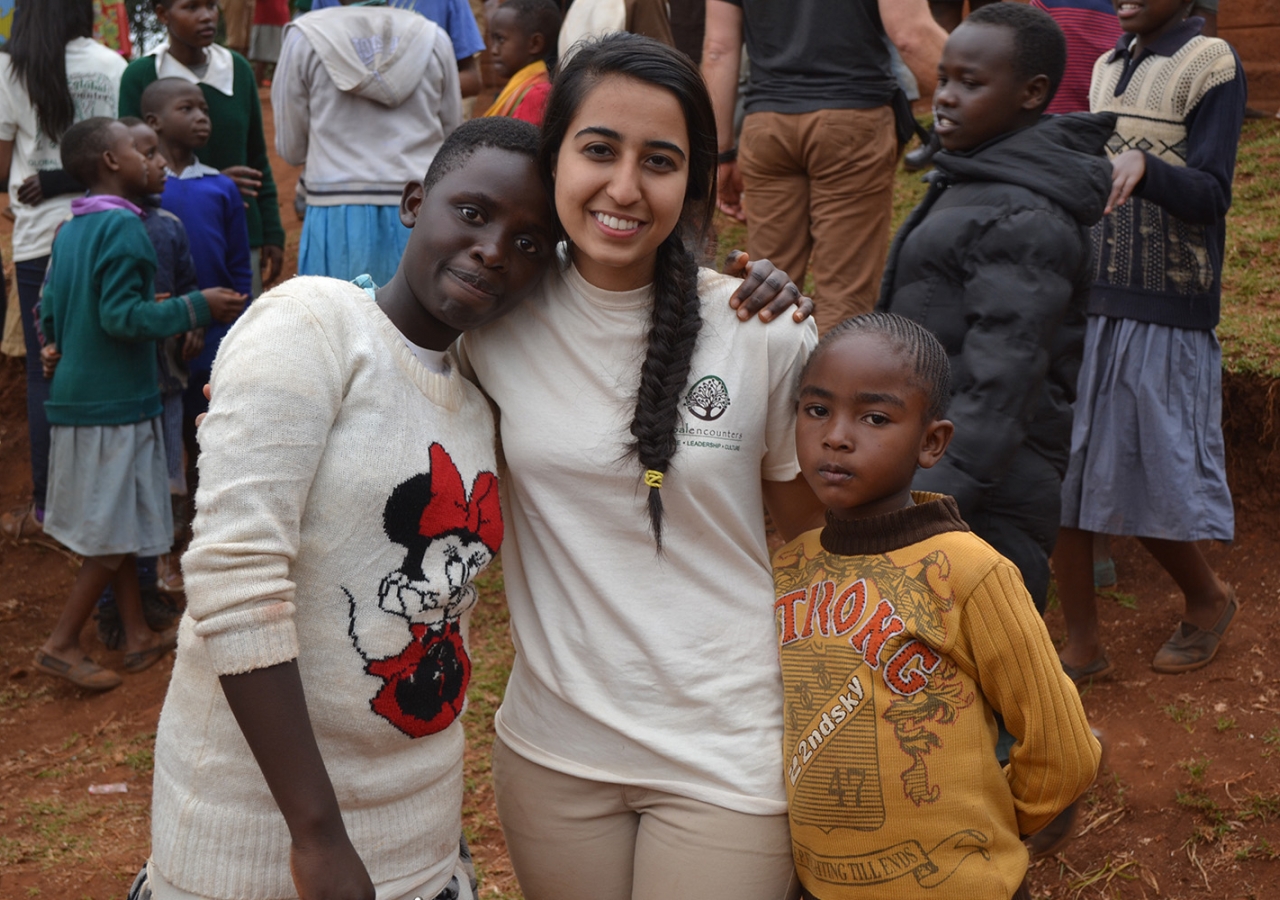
1250, 329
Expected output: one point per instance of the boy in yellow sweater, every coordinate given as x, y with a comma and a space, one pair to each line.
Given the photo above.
902, 635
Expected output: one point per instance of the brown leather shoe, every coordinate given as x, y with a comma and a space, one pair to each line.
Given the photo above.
85, 674
1193, 648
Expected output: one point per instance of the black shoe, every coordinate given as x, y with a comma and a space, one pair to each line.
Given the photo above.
922, 157
110, 628
158, 609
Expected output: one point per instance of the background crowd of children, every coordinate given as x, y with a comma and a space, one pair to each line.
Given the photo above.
1066, 270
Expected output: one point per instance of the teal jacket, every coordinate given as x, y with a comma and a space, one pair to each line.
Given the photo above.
99, 307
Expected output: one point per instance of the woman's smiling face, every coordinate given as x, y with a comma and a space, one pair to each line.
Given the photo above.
620, 180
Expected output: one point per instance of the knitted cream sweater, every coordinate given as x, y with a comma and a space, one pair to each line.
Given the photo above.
347, 499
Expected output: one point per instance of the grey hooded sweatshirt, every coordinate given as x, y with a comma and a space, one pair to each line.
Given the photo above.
364, 96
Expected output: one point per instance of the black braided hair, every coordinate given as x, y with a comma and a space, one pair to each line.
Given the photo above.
925, 354
677, 310
1039, 46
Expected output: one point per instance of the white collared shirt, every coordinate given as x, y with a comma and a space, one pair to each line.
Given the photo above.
220, 74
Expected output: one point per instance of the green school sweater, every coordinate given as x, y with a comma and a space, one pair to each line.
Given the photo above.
236, 139
99, 306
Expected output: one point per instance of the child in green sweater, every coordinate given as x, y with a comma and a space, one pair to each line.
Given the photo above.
108, 496
237, 146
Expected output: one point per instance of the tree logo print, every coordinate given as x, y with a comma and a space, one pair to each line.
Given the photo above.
708, 399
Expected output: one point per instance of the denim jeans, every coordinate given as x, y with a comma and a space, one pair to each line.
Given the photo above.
30, 276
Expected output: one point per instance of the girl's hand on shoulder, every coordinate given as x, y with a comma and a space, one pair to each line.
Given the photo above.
766, 290
246, 178
329, 870
1127, 171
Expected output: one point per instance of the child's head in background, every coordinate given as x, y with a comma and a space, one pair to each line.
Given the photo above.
522, 32
148, 144
998, 72
106, 156
870, 412
177, 110
192, 23
483, 234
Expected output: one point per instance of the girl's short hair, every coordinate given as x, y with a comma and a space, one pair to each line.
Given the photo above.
677, 310
924, 353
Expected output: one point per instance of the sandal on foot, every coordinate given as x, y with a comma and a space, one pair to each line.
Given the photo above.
1191, 647
140, 660
21, 524
85, 674
1099, 668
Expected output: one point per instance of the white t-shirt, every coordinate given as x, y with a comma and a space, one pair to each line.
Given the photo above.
93, 75
632, 667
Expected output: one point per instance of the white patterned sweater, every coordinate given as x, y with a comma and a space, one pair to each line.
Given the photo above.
347, 499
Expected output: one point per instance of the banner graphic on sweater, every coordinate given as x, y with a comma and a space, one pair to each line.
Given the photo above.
411, 637
930, 868
864, 628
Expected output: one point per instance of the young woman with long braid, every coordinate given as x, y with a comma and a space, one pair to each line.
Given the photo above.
645, 430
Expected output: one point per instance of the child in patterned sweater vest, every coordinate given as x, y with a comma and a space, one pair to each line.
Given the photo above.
902, 635
1147, 453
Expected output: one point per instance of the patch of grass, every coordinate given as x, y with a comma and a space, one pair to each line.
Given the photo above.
1183, 712
1127, 601
1195, 768
1225, 724
1250, 328
1271, 737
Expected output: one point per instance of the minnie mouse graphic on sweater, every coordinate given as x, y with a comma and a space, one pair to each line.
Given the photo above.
412, 638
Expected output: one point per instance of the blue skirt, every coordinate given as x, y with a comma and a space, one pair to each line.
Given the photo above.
346, 241
109, 489
1147, 455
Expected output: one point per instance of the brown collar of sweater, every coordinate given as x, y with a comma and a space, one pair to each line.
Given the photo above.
931, 514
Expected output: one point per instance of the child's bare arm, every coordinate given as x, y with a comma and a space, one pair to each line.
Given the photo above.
271, 709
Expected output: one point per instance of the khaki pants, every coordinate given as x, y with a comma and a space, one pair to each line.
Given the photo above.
819, 186
572, 839
238, 18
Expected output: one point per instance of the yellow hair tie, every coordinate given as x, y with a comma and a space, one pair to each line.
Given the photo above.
653, 478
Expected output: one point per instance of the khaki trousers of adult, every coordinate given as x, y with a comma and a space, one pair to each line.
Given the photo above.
573, 839
237, 16
819, 188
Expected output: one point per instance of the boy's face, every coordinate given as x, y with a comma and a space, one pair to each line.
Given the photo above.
190, 22
184, 120
980, 95
1146, 16
862, 429
481, 239
508, 44
146, 143
129, 161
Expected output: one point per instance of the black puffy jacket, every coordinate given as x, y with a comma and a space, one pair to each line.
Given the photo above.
995, 262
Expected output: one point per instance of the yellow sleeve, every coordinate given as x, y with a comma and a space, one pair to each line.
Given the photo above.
1055, 757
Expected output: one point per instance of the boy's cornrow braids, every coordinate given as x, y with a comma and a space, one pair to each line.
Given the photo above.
929, 361
673, 334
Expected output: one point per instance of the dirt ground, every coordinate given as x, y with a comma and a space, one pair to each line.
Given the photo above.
1188, 805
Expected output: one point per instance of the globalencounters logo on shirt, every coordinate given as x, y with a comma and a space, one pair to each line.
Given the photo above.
708, 400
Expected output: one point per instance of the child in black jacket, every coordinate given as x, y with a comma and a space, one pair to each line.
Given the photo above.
995, 262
